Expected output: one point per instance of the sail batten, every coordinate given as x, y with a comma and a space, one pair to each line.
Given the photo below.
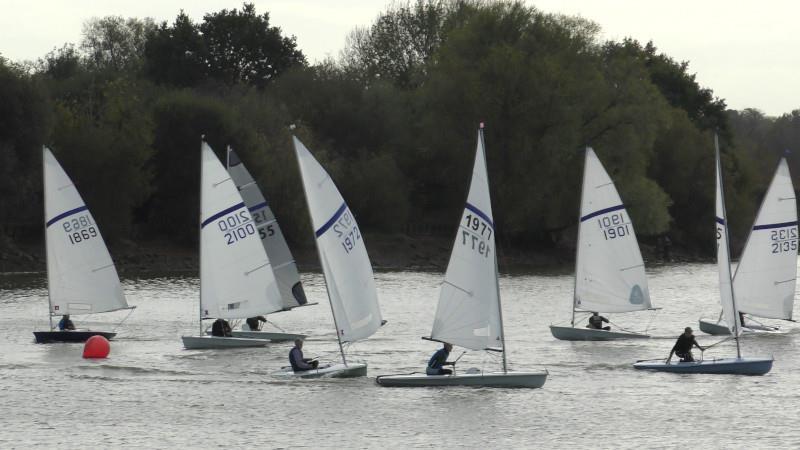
343, 254
270, 234
234, 268
82, 278
764, 282
609, 270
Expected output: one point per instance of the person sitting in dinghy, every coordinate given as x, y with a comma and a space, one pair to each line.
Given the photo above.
596, 322
254, 323
683, 346
438, 360
65, 324
221, 328
297, 361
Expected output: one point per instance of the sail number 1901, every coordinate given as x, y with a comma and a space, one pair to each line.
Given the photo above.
614, 226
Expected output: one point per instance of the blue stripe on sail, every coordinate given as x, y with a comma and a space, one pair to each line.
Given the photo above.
480, 214
601, 212
775, 225
221, 213
66, 214
258, 206
331, 221
720, 221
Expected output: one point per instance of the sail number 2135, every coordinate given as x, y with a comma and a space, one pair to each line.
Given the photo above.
784, 240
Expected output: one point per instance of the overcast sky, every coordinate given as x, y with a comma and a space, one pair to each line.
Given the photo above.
748, 52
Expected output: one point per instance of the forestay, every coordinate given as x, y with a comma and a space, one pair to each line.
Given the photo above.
729, 312
468, 313
765, 278
343, 254
609, 270
81, 276
236, 280
283, 264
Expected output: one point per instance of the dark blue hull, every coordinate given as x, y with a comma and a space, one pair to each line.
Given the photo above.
727, 366
47, 337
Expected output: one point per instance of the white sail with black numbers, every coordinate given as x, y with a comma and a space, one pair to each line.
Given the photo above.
283, 264
468, 312
81, 276
343, 254
764, 283
236, 280
729, 312
609, 269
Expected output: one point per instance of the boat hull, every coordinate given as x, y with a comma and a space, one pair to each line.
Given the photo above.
493, 379
715, 328
724, 366
268, 335
216, 342
351, 370
48, 337
590, 334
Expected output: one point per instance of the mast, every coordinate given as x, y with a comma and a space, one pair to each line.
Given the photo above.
200, 237
322, 262
46, 251
496, 269
577, 241
728, 247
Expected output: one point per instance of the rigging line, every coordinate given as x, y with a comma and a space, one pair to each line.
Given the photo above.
652, 318
624, 329
123, 320
275, 325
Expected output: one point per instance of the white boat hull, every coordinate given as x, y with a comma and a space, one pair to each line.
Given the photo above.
713, 327
351, 370
492, 379
267, 335
727, 366
591, 334
216, 342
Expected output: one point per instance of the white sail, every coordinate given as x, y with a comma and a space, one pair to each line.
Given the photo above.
343, 254
765, 277
468, 313
283, 265
609, 271
729, 312
81, 276
236, 280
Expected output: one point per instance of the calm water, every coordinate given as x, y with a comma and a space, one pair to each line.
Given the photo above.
151, 392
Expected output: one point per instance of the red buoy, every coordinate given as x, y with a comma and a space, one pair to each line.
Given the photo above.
96, 347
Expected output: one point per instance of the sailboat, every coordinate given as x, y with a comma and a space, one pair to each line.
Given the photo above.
469, 313
280, 257
764, 281
236, 278
609, 270
81, 277
738, 365
345, 264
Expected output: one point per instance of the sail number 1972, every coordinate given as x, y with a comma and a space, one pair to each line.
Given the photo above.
347, 230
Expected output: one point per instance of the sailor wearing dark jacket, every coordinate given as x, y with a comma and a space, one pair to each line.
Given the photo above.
683, 346
438, 360
297, 361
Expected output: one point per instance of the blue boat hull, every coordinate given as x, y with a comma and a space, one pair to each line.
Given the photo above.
726, 366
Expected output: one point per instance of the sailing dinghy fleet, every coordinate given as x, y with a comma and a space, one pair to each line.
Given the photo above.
247, 270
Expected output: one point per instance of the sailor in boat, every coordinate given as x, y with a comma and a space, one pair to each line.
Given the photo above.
683, 346
296, 359
254, 323
65, 324
439, 360
596, 322
221, 328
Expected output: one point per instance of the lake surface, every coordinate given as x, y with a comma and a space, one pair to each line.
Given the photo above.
151, 392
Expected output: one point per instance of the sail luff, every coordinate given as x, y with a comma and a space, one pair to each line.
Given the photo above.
727, 296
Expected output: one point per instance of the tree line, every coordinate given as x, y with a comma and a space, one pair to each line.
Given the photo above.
393, 119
